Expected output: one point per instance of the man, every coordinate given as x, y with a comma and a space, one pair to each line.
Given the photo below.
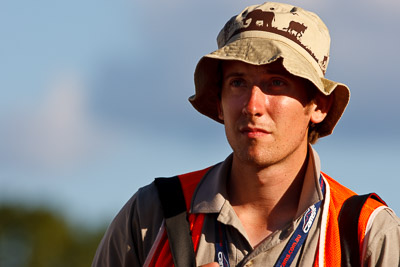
268, 203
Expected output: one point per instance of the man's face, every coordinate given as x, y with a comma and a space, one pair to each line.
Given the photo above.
265, 111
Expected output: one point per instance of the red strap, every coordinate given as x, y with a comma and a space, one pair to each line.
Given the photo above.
189, 182
162, 256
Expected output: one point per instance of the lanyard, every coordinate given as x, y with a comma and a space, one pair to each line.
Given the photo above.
301, 232
221, 245
292, 247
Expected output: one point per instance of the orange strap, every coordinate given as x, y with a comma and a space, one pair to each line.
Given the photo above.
162, 256
189, 184
339, 194
365, 214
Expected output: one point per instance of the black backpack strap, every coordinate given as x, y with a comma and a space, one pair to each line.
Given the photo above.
176, 221
348, 228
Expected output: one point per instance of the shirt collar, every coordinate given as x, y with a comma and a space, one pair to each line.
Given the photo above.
311, 191
210, 195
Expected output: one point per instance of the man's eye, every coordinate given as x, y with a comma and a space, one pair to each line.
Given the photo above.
238, 83
277, 83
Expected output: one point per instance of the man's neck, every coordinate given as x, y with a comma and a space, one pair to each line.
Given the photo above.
266, 199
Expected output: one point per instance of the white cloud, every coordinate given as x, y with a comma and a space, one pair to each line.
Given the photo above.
59, 133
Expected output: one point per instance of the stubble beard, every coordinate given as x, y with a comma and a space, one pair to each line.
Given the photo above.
256, 155
263, 155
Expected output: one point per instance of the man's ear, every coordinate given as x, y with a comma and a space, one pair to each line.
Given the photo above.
322, 105
220, 113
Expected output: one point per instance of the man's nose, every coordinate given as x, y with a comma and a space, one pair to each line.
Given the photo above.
255, 102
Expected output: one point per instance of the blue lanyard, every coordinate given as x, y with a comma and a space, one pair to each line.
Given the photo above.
221, 245
292, 247
301, 233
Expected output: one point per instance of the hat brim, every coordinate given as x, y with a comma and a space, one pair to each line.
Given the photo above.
256, 51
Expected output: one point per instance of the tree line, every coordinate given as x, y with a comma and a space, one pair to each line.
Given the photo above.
37, 237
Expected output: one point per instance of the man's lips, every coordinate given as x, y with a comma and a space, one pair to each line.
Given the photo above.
253, 131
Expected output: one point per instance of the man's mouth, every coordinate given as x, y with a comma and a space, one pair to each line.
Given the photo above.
253, 132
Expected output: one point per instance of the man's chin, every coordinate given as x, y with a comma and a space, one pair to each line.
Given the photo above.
257, 159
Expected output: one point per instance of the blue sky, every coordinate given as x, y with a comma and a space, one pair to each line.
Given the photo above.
94, 98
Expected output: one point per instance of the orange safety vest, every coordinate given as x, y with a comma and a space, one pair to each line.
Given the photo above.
328, 252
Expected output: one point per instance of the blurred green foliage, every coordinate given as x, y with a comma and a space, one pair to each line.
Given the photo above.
40, 238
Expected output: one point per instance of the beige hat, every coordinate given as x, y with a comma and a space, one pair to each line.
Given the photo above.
261, 34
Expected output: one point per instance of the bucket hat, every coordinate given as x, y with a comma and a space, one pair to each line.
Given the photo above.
261, 34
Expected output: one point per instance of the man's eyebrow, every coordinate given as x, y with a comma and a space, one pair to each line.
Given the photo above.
266, 71
233, 74
282, 72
